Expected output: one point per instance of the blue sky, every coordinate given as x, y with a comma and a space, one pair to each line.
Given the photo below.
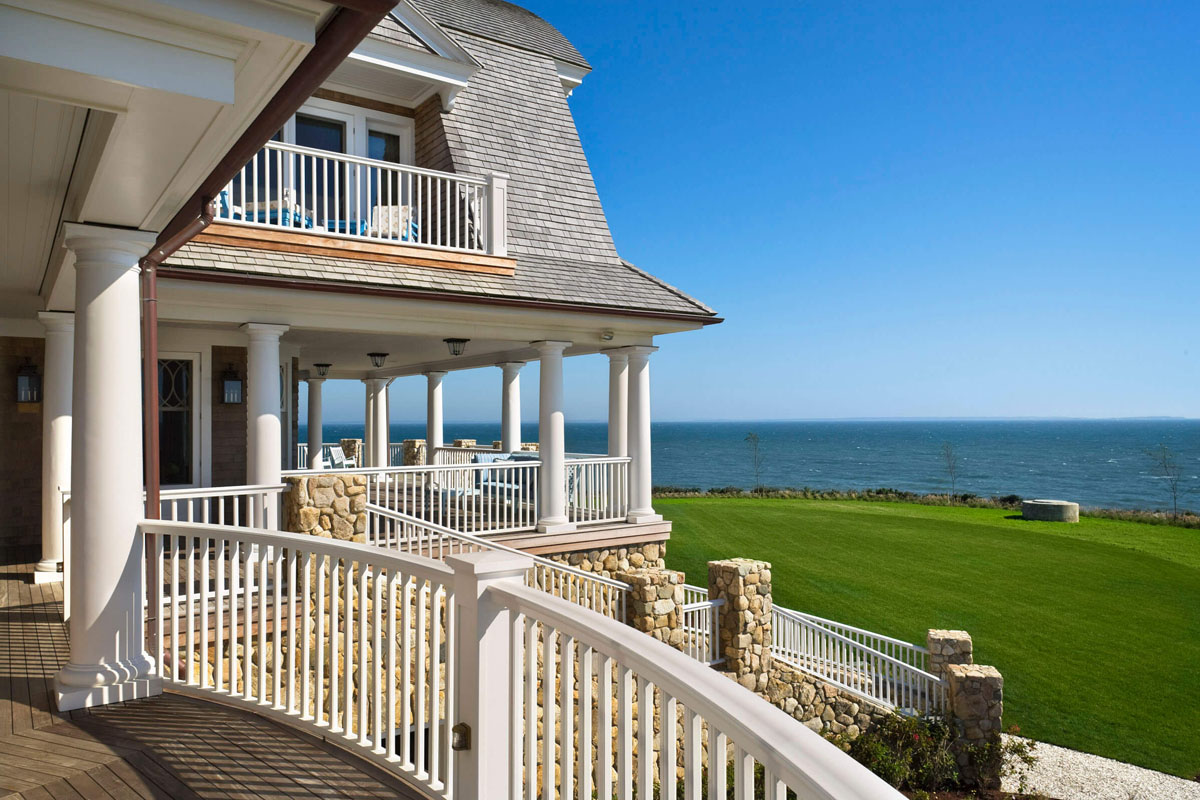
902, 209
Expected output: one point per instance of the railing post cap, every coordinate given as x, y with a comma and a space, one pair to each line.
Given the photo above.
489, 564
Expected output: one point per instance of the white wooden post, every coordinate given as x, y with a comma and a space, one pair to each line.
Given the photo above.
510, 407
485, 683
364, 452
497, 218
315, 433
56, 439
552, 482
433, 415
641, 499
618, 403
108, 660
377, 443
264, 434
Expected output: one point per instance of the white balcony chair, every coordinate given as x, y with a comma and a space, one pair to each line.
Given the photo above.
393, 222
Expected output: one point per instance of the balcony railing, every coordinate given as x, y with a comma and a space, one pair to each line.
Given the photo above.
301, 189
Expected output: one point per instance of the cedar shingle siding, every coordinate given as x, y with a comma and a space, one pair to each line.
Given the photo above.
393, 31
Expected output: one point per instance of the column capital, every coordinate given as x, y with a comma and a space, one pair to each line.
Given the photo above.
264, 331
550, 347
436, 373
511, 366
640, 351
311, 380
617, 355
57, 321
80, 238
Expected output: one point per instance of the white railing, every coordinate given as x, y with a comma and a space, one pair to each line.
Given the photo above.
303, 189
395, 531
302, 454
597, 489
351, 641
701, 624
460, 456
854, 666
912, 654
569, 672
395, 454
499, 497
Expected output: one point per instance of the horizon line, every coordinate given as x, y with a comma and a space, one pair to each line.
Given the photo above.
1135, 418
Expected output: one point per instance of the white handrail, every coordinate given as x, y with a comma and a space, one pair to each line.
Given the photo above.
554, 640
496, 497
342, 638
301, 188
391, 529
853, 666
597, 489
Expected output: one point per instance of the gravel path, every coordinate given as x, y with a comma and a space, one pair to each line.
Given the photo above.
1070, 775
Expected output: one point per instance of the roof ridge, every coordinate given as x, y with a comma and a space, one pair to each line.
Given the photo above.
673, 289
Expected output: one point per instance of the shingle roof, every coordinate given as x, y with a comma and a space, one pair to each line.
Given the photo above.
618, 286
393, 31
503, 22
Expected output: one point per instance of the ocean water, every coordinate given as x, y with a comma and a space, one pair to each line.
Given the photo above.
1093, 462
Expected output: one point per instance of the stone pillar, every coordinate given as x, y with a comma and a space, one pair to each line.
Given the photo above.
618, 403
946, 648
655, 603
315, 432
352, 448
552, 490
264, 429
745, 633
108, 660
414, 452
433, 414
510, 407
465, 443
56, 439
365, 453
641, 501
377, 445
977, 704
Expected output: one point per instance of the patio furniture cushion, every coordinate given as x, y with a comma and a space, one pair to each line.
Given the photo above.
394, 222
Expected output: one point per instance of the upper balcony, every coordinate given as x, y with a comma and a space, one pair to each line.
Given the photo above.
367, 207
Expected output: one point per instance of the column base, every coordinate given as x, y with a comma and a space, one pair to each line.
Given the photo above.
642, 517
77, 687
48, 572
555, 526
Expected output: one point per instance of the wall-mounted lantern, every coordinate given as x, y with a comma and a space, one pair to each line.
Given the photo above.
457, 346
231, 387
377, 359
29, 384
322, 369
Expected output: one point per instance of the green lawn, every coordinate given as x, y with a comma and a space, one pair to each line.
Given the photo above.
1095, 626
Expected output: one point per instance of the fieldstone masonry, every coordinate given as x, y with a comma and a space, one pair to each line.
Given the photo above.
413, 452
655, 603
946, 648
333, 506
463, 443
977, 704
352, 449
745, 634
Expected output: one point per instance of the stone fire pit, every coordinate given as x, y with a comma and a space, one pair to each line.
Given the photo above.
1050, 510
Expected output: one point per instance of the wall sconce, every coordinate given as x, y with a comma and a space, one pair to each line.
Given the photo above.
377, 359
231, 386
322, 369
29, 384
607, 336
457, 346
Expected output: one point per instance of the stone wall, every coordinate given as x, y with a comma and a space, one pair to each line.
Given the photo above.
745, 634
352, 449
21, 451
333, 506
946, 648
228, 420
609, 561
977, 705
655, 603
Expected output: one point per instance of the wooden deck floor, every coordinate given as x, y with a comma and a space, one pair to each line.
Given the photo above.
163, 747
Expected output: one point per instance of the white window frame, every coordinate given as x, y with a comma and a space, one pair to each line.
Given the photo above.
358, 122
200, 392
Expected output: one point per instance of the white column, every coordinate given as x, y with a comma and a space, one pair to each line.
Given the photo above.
510, 407
264, 428
618, 403
56, 438
364, 452
108, 661
552, 494
377, 391
483, 644
433, 414
641, 502
315, 434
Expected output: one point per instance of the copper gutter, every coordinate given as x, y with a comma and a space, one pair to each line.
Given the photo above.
184, 274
